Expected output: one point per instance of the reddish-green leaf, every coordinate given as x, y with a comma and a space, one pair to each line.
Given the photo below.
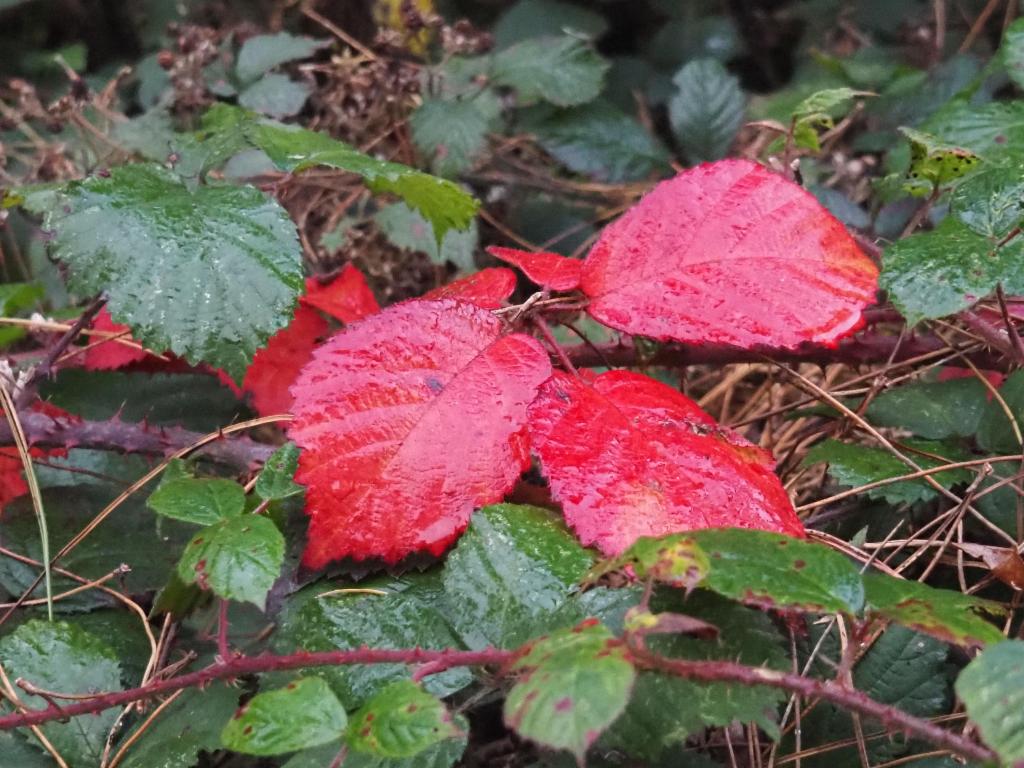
489, 288
629, 456
408, 421
401, 722
275, 367
575, 683
109, 355
548, 270
347, 297
730, 253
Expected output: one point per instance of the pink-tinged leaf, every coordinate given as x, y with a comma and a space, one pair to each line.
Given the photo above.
347, 297
109, 355
274, 368
629, 456
548, 270
489, 288
408, 421
730, 253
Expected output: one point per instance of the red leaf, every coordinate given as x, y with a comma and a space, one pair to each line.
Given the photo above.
628, 456
408, 422
488, 288
108, 355
274, 368
347, 298
12, 476
548, 270
730, 253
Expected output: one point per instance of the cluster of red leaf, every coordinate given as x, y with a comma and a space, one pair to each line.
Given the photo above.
412, 418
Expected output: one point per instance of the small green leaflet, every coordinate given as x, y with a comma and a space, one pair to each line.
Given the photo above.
275, 95
943, 613
238, 558
771, 570
562, 70
575, 683
400, 722
992, 690
305, 713
932, 409
275, 481
707, 109
451, 133
406, 228
817, 111
935, 161
202, 501
261, 53
209, 274
444, 204
995, 431
991, 201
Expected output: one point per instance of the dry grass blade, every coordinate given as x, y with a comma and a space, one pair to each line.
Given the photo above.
33, 488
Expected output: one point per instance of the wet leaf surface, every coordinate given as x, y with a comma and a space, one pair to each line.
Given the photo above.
403, 436
729, 253
628, 456
548, 270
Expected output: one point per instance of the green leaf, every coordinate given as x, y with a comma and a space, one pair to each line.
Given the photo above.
600, 141
510, 571
209, 274
937, 162
442, 755
771, 570
856, 465
58, 656
564, 71
453, 132
665, 710
275, 481
991, 202
575, 683
401, 721
261, 53
945, 614
407, 229
983, 129
201, 501
14, 298
1012, 52
238, 558
444, 204
933, 409
275, 95
409, 614
189, 726
992, 690
903, 669
822, 104
939, 273
305, 713
131, 535
706, 111
193, 401
995, 432
533, 18
17, 751
675, 559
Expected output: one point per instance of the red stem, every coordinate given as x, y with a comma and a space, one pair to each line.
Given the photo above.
223, 648
705, 671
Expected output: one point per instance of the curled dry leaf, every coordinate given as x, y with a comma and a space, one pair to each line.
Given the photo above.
548, 270
628, 457
408, 421
489, 288
730, 253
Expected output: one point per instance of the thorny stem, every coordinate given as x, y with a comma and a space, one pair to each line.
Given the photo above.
440, 660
